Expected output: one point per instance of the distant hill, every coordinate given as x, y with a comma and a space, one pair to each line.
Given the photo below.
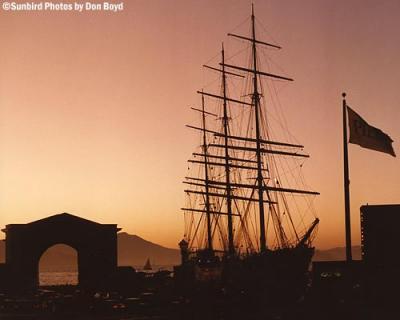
338, 253
134, 251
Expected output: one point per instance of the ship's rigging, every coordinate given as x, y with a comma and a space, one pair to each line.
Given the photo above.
237, 200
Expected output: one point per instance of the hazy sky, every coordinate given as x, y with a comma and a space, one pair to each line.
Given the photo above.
93, 105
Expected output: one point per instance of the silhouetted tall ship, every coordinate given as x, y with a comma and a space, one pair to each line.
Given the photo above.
249, 218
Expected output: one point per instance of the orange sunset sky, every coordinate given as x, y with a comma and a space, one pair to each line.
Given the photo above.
93, 106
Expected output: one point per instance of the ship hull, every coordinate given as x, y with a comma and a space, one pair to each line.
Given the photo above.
276, 276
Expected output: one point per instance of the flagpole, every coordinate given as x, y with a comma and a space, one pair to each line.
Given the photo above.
346, 183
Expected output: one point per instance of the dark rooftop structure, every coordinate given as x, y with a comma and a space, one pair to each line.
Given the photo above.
380, 244
380, 225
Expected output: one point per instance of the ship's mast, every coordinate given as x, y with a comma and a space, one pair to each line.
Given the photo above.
206, 162
207, 192
259, 141
258, 145
256, 102
225, 120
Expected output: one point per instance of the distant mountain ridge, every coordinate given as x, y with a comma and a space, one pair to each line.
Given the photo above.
338, 253
134, 251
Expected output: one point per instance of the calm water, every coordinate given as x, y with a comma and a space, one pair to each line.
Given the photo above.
57, 278
51, 278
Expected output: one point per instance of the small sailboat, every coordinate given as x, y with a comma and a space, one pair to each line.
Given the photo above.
147, 265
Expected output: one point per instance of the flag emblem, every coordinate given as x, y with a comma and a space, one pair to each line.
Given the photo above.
367, 136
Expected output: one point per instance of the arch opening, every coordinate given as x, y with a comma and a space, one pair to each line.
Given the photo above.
58, 266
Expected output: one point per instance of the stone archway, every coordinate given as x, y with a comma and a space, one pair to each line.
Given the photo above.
95, 243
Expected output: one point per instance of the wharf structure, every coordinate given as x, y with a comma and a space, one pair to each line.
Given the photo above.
375, 279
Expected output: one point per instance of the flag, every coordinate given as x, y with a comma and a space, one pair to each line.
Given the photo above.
367, 136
